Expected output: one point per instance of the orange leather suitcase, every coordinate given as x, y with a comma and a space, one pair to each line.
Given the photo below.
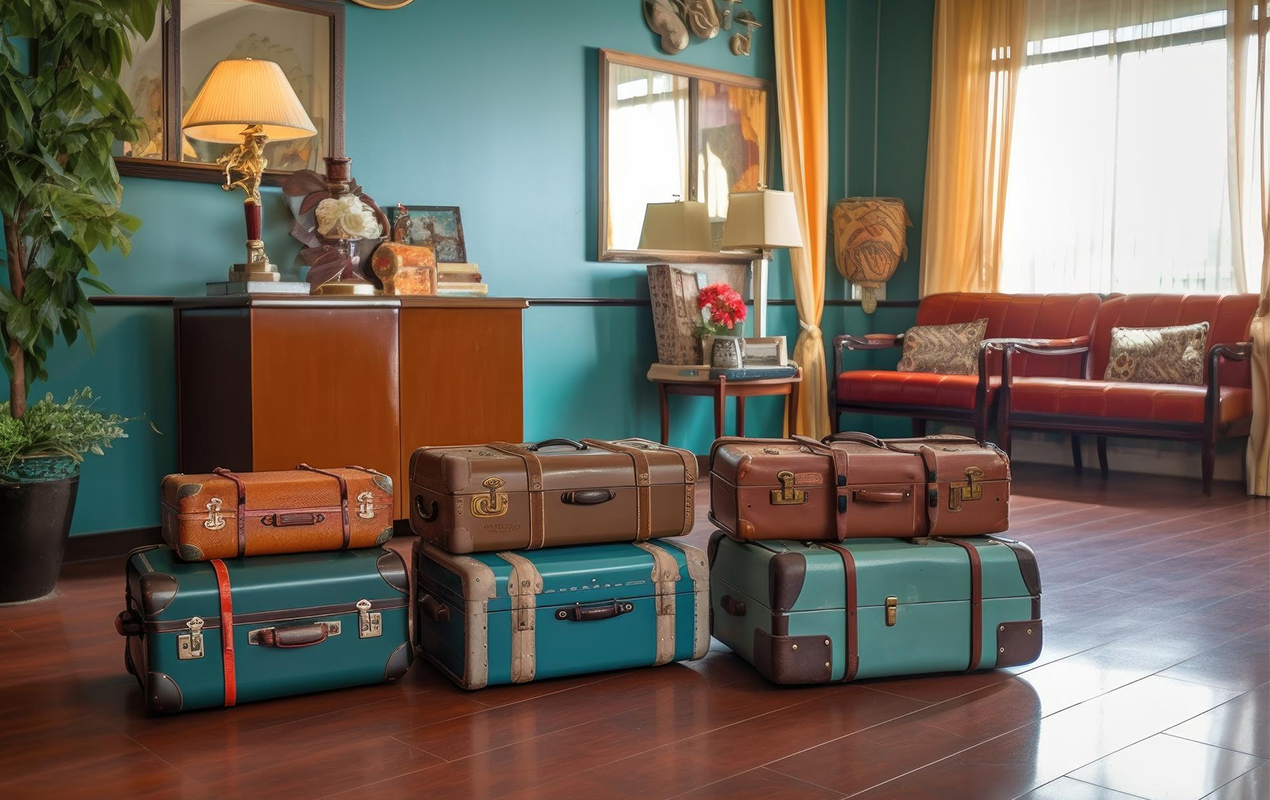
853, 485
503, 496
229, 515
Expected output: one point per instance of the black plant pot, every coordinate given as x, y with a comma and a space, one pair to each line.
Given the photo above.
35, 521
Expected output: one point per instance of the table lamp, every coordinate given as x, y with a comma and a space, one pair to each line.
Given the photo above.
761, 220
252, 101
679, 225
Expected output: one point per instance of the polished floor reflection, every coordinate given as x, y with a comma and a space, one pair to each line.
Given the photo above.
1154, 683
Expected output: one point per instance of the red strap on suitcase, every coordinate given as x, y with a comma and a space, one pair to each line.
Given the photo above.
226, 630
976, 599
853, 623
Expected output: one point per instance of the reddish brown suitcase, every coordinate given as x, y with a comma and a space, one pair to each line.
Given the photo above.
853, 485
229, 515
502, 496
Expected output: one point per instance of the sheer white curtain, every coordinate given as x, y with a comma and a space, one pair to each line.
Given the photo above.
1119, 169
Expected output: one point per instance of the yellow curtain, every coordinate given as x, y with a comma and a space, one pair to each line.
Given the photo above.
802, 94
1247, 37
979, 48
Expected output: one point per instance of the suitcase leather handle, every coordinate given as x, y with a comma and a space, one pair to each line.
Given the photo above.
426, 514
732, 606
874, 496
295, 636
580, 613
576, 445
588, 497
854, 436
295, 520
434, 609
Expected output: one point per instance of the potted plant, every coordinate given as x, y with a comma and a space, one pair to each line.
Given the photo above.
63, 111
724, 310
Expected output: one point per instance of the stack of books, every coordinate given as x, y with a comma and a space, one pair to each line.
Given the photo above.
460, 280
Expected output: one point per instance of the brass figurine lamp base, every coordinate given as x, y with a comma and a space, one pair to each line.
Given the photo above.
248, 159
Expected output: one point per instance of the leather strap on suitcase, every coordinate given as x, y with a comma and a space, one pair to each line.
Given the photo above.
226, 630
643, 485
853, 623
976, 599
523, 587
665, 576
533, 476
241, 516
344, 521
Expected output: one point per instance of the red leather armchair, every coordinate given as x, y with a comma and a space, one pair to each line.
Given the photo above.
1220, 408
1041, 319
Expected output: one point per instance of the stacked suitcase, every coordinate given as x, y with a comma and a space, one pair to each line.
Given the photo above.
856, 557
271, 584
550, 559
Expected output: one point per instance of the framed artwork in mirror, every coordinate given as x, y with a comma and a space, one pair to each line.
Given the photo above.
304, 37
668, 132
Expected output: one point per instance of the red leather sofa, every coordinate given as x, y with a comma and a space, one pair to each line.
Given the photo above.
1085, 404
1046, 320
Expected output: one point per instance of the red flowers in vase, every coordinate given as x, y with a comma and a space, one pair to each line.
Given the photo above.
725, 309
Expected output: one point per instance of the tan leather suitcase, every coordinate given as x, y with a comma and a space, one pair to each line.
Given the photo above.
229, 515
853, 485
502, 496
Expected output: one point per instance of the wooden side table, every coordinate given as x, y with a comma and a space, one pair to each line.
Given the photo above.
721, 389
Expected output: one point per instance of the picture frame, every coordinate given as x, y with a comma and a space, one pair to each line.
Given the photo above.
438, 227
766, 351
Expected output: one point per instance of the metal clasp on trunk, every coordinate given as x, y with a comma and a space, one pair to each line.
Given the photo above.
366, 505
214, 521
493, 504
965, 490
190, 645
369, 624
787, 495
892, 606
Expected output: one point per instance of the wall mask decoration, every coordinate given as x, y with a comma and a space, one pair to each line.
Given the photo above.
383, 5
870, 236
677, 21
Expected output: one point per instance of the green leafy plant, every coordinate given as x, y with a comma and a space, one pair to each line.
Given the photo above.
49, 428
59, 190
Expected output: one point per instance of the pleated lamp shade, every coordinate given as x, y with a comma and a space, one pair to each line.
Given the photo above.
243, 91
761, 220
676, 226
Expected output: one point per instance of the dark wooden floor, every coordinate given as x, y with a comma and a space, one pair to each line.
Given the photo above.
1154, 683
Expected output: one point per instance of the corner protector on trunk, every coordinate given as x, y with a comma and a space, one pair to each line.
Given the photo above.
793, 659
158, 589
785, 575
384, 535
399, 661
162, 694
189, 552
1019, 642
1026, 557
188, 490
383, 482
392, 568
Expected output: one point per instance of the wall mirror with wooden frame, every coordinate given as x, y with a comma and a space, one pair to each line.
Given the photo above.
305, 38
670, 132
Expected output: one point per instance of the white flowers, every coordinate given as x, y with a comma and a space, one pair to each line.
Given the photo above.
347, 217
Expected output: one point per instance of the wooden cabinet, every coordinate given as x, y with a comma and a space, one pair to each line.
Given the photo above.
267, 383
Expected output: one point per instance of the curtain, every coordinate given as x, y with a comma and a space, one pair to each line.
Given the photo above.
978, 52
1247, 36
803, 104
1118, 175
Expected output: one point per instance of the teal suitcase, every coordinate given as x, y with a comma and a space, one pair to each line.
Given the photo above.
870, 608
514, 617
300, 623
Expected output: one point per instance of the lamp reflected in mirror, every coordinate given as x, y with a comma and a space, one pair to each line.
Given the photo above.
679, 225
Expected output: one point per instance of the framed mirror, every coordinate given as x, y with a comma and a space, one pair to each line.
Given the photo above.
305, 38
670, 132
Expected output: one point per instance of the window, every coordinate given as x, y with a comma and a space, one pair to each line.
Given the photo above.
1118, 169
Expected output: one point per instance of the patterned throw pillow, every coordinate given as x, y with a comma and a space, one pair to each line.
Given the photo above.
1158, 355
943, 349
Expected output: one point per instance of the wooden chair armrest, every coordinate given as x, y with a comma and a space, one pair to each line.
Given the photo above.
1044, 347
1239, 351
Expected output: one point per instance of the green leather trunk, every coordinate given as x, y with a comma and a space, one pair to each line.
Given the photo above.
868, 608
519, 616
301, 623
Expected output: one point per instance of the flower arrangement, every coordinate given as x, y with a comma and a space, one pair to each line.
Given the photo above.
347, 217
50, 429
726, 309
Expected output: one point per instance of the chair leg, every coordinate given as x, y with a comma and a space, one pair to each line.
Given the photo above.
919, 427
1208, 453
1102, 456
1076, 460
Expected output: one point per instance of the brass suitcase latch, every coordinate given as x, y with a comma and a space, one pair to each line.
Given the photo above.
369, 623
892, 607
366, 505
787, 495
493, 504
190, 645
214, 521
962, 491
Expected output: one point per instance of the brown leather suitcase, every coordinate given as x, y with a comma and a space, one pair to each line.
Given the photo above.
502, 496
853, 485
229, 515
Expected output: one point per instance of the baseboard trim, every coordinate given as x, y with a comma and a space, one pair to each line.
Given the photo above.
112, 544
